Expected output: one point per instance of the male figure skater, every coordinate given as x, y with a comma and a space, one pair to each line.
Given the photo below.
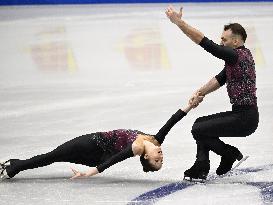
240, 78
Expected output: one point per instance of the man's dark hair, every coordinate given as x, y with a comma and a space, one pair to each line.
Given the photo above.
236, 29
147, 167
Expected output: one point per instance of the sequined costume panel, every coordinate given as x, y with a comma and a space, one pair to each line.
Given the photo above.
239, 73
116, 140
241, 79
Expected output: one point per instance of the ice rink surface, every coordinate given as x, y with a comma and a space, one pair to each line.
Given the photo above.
70, 70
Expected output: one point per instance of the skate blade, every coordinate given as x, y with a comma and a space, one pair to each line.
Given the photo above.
193, 180
240, 162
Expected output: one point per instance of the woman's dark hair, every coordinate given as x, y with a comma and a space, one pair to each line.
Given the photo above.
147, 167
236, 29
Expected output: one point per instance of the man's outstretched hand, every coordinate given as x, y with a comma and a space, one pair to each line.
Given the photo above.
173, 15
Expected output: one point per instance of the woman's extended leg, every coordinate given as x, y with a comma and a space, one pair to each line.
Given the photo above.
80, 150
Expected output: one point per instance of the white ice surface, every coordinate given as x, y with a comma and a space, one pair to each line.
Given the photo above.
70, 70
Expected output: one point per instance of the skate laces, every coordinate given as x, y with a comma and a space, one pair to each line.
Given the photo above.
5, 164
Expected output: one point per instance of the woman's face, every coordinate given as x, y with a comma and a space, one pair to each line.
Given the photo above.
155, 157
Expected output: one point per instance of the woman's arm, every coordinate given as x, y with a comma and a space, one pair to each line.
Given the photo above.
122, 155
187, 108
160, 136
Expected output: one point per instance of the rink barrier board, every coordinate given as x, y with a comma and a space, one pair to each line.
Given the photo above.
41, 2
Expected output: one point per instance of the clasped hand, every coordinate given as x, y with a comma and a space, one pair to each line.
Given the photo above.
196, 99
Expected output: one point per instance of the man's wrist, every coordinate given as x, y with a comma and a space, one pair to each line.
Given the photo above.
180, 23
200, 93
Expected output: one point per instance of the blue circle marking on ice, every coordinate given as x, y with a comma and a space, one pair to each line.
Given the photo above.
150, 197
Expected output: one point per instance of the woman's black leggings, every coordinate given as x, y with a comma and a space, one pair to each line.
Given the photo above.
80, 150
240, 122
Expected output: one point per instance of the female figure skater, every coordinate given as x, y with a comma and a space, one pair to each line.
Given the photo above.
101, 150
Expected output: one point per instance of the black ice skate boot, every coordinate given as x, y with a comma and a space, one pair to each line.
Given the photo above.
3, 171
198, 171
3, 165
231, 155
4, 175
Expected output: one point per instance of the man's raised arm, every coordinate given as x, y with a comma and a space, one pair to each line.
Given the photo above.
194, 34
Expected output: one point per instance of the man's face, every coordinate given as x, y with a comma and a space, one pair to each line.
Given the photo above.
228, 39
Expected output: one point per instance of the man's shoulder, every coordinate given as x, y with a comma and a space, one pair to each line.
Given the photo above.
242, 49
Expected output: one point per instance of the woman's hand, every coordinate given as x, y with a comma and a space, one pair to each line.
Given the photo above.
77, 174
91, 172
